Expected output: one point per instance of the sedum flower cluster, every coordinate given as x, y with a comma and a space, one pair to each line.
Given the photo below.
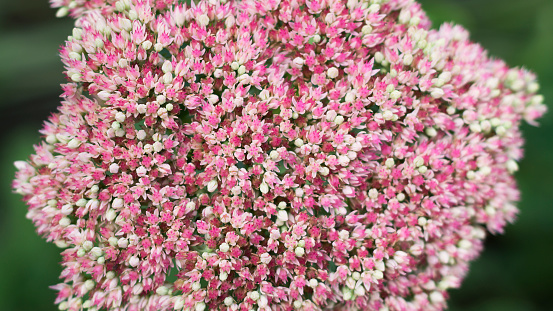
273, 155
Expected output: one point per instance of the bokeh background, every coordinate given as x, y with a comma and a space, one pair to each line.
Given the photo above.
515, 272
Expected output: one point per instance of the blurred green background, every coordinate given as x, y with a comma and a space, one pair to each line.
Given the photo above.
513, 274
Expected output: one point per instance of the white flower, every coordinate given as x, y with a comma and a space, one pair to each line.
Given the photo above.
203, 20
332, 72
224, 247
212, 185
300, 251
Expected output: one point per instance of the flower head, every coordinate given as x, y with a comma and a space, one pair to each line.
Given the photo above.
279, 155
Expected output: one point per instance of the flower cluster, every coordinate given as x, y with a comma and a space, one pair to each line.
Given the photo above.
273, 155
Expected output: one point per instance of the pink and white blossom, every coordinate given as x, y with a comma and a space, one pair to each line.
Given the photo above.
273, 155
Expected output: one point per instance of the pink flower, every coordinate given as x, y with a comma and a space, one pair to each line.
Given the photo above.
310, 155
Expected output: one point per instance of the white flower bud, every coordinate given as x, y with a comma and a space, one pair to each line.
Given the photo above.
500, 130
264, 188
141, 108
387, 115
407, 59
64, 222
67, 209
167, 67
133, 15
62, 12
158, 146
224, 247
282, 215
120, 117
134, 261
218, 73
430, 131
343, 234
114, 168
436, 297
300, 251
418, 161
263, 301
146, 45
298, 142
87, 245
255, 295
512, 166
179, 304
162, 290
400, 197
241, 70
332, 72
89, 284
123, 63
76, 77
141, 135
125, 24
465, 244
203, 20
366, 29
74, 143
330, 18
331, 115
379, 57
212, 185
360, 290
110, 214
348, 295
343, 160
339, 120
168, 78
298, 61
485, 171
228, 301
196, 286
395, 94
373, 194
96, 252
389, 163
373, 8
475, 127
229, 22
120, 6
437, 93
123, 243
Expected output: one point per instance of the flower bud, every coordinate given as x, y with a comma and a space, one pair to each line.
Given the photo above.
332, 72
